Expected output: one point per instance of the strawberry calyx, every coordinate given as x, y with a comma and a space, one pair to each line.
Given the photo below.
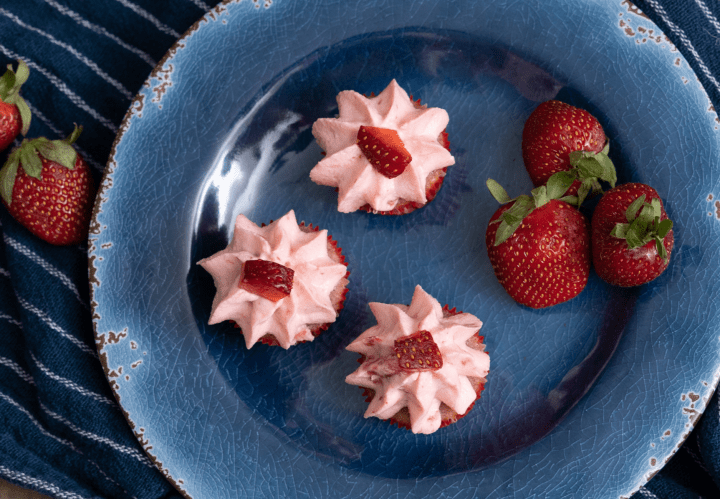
10, 84
523, 205
29, 156
589, 168
643, 225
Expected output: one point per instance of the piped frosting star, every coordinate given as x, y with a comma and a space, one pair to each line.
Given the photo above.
422, 392
310, 302
347, 168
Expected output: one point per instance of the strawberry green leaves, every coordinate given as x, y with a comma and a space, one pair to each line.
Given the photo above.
643, 225
511, 219
523, 205
10, 84
28, 156
589, 168
7, 180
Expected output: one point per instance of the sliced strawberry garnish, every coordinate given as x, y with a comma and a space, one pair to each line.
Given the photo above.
418, 352
267, 279
384, 149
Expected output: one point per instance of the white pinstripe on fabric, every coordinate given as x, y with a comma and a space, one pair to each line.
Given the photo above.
101, 31
10, 319
22, 374
27, 252
97, 438
709, 15
149, 17
685, 41
60, 85
646, 493
55, 327
48, 434
58, 439
40, 116
4, 273
201, 5
91, 64
38, 484
37, 423
71, 384
105, 475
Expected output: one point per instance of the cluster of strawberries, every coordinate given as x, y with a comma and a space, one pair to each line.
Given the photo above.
44, 184
541, 246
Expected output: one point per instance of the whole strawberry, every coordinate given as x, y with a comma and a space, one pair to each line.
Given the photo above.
539, 247
632, 237
558, 137
14, 111
46, 186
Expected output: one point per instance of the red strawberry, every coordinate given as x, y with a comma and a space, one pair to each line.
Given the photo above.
384, 150
632, 237
14, 111
46, 185
539, 247
267, 279
558, 137
418, 352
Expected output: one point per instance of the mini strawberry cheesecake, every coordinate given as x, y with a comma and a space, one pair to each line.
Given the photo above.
422, 366
282, 284
385, 154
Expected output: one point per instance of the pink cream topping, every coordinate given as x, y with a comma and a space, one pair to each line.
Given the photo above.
348, 169
421, 391
308, 302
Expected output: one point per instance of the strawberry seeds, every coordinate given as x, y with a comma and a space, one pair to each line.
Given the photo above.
384, 150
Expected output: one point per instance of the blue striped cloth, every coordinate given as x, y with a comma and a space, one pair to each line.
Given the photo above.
62, 432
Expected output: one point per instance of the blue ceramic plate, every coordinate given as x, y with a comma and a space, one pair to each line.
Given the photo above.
585, 399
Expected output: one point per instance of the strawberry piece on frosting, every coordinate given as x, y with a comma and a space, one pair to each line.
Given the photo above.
267, 279
418, 352
384, 149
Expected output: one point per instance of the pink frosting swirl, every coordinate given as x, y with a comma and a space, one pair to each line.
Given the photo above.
309, 303
347, 168
422, 392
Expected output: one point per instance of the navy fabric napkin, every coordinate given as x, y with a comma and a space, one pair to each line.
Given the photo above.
62, 432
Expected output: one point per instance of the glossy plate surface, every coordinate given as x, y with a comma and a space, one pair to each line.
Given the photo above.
586, 399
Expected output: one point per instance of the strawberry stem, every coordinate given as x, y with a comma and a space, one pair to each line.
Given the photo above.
74, 135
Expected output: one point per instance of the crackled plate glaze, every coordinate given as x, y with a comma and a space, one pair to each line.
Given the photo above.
586, 399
